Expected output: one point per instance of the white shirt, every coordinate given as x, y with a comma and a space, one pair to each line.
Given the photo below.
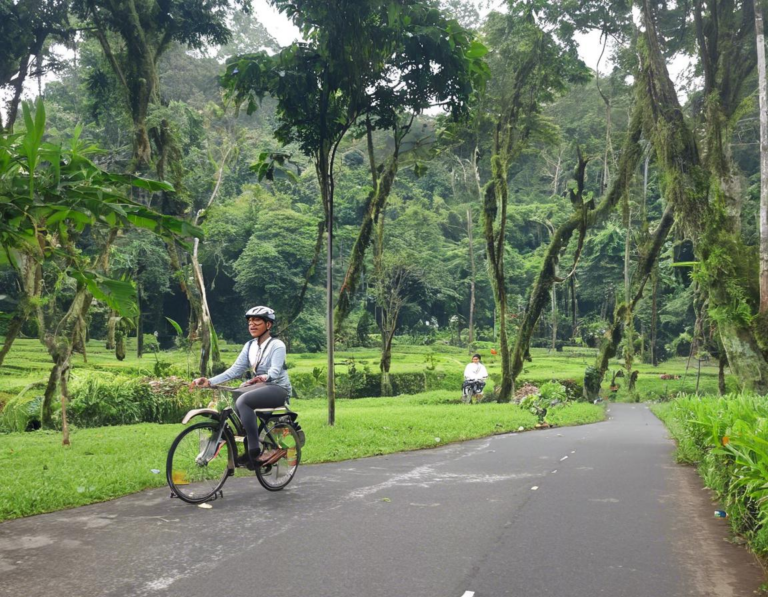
254, 354
475, 371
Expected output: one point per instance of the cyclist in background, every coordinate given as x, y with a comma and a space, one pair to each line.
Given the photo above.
264, 357
475, 375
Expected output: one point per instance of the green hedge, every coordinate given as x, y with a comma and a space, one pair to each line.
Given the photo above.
727, 438
364, 384
100, 399
123, 400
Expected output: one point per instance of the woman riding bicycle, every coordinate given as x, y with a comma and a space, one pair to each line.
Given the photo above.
264, 356
475, 375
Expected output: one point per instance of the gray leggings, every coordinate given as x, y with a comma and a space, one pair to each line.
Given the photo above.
263, 395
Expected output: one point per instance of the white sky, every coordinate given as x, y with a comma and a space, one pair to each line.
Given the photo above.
278, 25
590, 45
285, 33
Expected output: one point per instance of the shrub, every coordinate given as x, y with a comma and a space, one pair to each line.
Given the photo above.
527, 389
726, 438
122, 400
99, 400
23, 411
549, 395
365, 384
151, 343
553, 392
573, 390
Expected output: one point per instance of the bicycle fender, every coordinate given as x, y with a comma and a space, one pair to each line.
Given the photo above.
211, 413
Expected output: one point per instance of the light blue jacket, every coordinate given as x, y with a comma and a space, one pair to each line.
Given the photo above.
271, 364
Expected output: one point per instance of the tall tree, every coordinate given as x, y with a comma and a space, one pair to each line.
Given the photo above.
54, 195
134, 34
362, 58
704, 194
763, 106
529, 67
26, 28
472, 279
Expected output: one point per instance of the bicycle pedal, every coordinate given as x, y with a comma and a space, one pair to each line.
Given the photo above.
240, 439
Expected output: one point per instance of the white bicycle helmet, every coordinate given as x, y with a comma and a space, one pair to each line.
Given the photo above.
260, 311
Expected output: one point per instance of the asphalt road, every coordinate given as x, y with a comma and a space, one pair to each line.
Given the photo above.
581, 511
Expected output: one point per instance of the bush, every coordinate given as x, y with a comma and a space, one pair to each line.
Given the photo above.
365, 384
23, 411
548, 396
98, 400
150, 343
4, 398
574, 390
726, 438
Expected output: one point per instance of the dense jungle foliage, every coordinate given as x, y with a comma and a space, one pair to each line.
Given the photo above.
486, 188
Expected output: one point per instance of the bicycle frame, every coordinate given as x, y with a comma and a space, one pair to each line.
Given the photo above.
228, 417
222, 428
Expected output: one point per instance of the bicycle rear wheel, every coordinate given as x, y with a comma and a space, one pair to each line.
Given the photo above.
279, 436
196, 468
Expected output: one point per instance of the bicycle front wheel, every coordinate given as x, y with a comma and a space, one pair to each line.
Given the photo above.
197, 465
280, 437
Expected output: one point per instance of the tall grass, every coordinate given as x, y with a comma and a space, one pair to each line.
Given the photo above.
727, 438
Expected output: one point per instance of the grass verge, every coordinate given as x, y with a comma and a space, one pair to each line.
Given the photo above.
38, 475
725, 438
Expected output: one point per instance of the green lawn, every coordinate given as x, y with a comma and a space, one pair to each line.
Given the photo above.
28, 362
38, 474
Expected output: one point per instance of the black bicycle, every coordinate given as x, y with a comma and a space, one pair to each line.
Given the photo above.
472, 390
205, 454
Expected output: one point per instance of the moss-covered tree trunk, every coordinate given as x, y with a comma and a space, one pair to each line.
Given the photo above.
495, 199
722, 362
385, 363
137, 74
111, 326
472, 279
623, 311
377, 201
654, 315
703, 207
61, 339
629, 323
121, 337
574, 309
60, 344
64, 402
581, 220
763, 104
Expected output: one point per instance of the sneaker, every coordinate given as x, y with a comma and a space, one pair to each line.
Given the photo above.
271, 456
